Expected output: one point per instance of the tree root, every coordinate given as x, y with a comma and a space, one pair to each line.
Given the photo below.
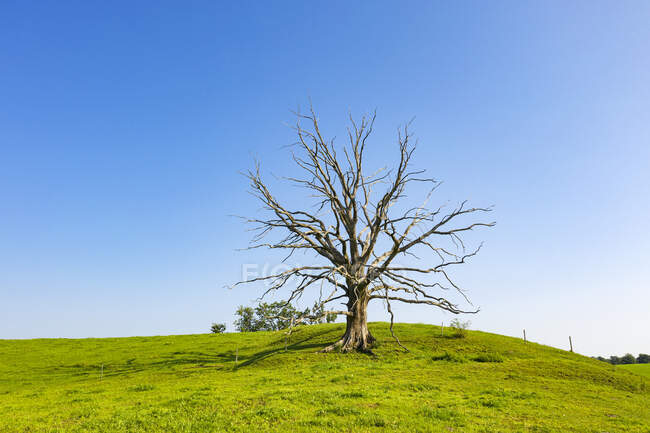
348, 344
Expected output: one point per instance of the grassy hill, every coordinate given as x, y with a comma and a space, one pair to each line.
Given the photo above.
190, 383
642, 369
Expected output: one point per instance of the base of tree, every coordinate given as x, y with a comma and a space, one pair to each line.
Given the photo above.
355, 339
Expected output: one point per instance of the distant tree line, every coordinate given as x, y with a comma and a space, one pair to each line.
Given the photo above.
628, 358
274, 316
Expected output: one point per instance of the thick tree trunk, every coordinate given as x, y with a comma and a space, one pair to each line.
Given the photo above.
357, 337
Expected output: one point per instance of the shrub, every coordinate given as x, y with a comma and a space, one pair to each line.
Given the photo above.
218, 328
459, 328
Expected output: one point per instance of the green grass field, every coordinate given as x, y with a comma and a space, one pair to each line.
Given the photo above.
642, 369
190, 383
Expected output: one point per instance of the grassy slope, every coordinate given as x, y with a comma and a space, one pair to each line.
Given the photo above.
189, 384
642, 369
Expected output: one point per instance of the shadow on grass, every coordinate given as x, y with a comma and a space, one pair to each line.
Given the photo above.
182, 360
298, 345
179, 359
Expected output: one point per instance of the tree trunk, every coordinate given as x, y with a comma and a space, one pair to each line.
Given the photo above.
357, 336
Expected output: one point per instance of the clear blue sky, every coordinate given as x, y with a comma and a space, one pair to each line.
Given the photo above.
124, 126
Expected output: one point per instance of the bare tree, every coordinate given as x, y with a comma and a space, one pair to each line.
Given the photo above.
358, 233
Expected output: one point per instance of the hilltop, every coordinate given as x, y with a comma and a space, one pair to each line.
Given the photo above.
191, 383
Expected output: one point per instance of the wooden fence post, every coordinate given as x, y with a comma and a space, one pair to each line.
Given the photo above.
524, 335
570, 343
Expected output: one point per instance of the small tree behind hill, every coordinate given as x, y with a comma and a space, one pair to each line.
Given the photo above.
246, 321
628, 358
278, 315
218, 328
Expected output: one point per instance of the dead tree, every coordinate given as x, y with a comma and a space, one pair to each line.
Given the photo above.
356, 233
